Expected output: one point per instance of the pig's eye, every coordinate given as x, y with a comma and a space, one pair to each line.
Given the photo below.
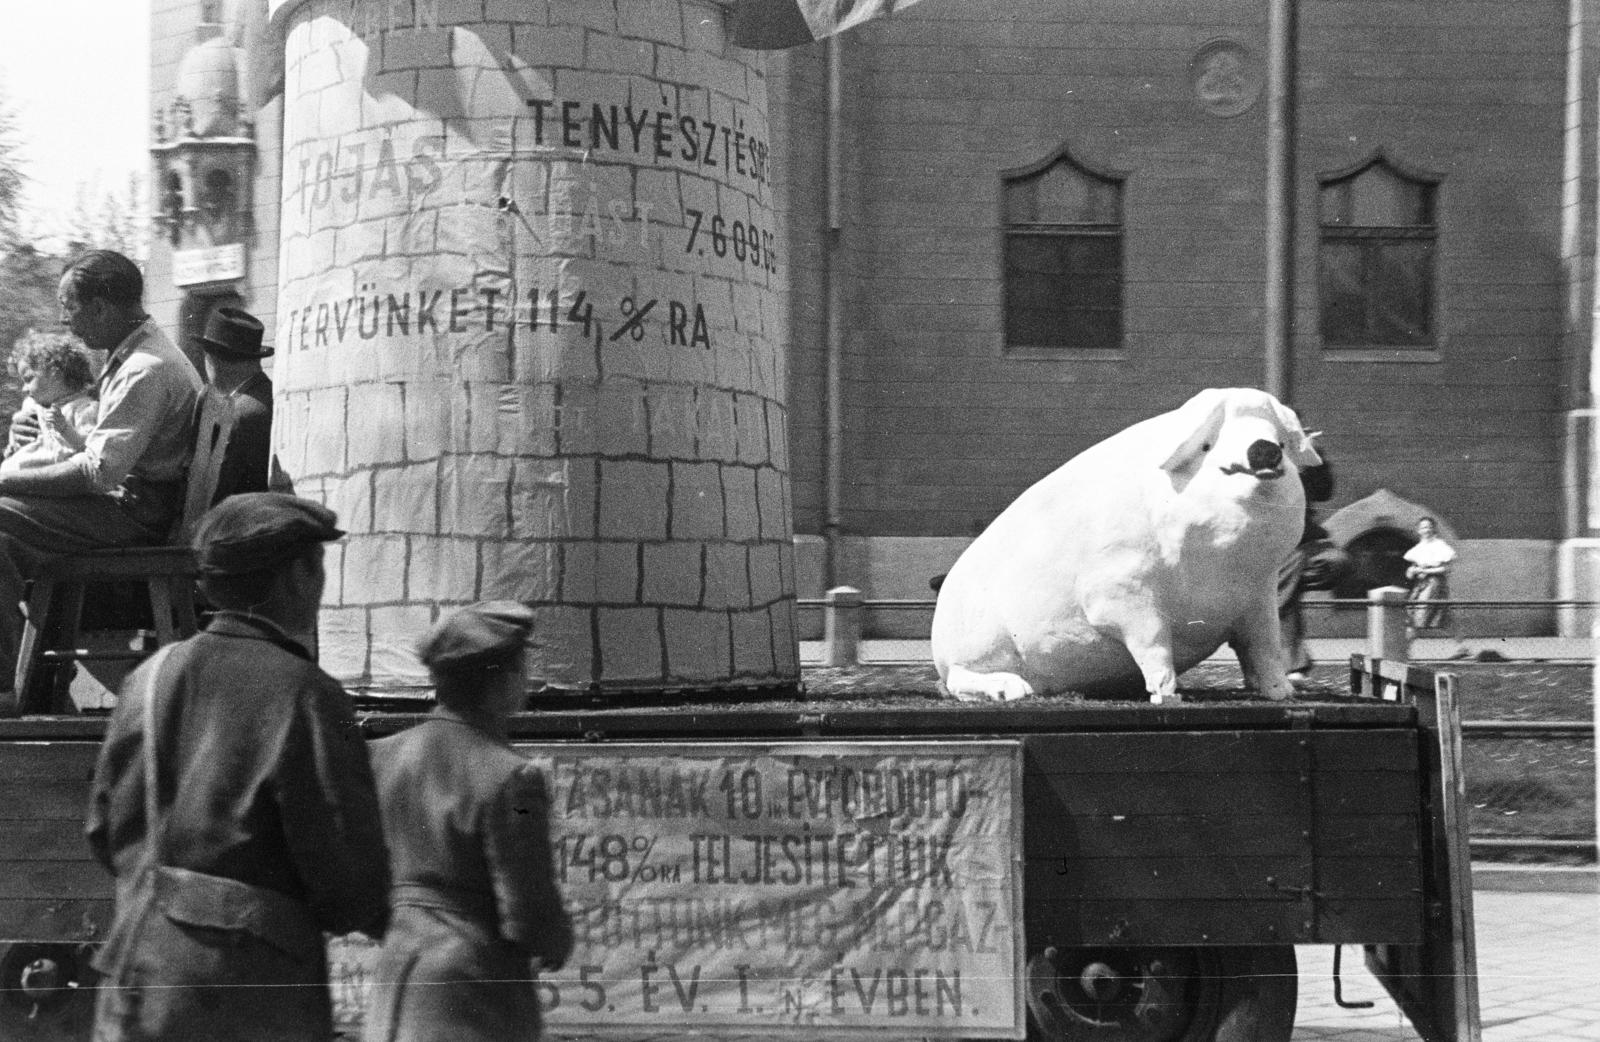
1205, 446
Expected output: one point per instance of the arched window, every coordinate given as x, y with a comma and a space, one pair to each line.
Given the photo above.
1062, 255
218, 201
1375, 259
172, 205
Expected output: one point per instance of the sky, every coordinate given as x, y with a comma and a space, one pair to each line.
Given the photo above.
76, 76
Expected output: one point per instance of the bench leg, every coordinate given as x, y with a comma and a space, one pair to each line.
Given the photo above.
69, 610
161, 608
183, 604
28, 661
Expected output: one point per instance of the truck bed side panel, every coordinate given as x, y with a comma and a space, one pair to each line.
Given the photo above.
50, 887
1236, 837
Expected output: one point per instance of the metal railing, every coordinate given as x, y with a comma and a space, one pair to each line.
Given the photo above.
1530, 773
846, 613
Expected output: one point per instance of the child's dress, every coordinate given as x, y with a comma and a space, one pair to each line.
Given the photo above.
1427, 591
81, 411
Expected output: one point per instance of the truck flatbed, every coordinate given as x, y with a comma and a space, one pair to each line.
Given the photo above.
1204, 838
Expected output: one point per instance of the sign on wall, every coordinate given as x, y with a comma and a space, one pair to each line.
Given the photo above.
796, 889
208, 264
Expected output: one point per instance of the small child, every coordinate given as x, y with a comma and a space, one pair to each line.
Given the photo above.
1429, 562
55, 373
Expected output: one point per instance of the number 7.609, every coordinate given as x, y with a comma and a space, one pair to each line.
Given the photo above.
748, 244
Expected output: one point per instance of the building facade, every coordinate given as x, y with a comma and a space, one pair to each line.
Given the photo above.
1004, 231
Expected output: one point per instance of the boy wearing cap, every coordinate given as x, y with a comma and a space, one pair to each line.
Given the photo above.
476, 911
234, 803
233, 354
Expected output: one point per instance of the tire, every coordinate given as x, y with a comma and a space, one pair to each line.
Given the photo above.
46, 993
1201, 994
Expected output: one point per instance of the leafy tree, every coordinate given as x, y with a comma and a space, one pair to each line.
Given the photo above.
110, 220
29, 272
28, 282
12, 177
28, 277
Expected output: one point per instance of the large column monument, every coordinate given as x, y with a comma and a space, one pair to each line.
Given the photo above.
526, 333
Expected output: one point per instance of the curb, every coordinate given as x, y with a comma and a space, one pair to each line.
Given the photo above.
1536, 879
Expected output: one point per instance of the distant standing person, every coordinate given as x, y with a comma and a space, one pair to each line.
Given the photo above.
234, 803
1314, 564
57, 377
475, 910
233, 354
1429, 563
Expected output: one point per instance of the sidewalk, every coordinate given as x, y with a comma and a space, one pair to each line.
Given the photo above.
1538, 964
1323, 650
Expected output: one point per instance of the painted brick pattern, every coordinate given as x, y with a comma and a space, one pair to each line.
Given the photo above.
527, 336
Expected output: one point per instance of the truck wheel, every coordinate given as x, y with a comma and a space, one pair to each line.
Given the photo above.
46, 992
1204, 994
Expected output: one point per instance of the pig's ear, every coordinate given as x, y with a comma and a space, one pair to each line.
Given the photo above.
1296, 442
1188, 432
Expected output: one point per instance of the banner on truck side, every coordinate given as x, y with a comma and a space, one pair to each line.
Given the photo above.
793, 888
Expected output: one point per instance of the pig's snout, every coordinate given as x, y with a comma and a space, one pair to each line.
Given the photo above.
1264, 455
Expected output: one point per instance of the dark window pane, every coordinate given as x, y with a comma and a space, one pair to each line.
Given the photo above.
1401, 274
1376, 291
1063, 291
1339, 285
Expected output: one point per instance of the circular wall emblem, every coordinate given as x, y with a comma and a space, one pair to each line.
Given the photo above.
1226, 77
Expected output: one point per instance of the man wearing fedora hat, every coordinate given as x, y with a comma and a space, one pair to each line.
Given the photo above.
233, 354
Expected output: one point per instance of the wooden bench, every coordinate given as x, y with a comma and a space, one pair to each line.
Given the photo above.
55, 601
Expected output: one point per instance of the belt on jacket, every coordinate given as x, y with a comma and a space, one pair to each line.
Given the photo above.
198, 899
467, 903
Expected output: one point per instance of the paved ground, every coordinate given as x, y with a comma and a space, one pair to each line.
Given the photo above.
1538, 974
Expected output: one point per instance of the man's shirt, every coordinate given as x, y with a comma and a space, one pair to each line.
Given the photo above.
145, 427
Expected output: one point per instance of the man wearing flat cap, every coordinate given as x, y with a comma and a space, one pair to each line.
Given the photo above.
233, 354
476, 912
234, 803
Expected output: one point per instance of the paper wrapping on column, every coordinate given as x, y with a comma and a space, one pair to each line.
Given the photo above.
527, 342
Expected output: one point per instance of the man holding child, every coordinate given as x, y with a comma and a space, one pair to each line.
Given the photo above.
124, 487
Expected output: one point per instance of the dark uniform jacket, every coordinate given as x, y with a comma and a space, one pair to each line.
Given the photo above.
474, 892
270, 830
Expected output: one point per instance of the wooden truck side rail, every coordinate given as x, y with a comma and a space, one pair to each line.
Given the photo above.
1204, 838
1435, 983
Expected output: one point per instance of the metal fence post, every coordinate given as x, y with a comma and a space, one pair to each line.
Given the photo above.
1386, 624
841, 626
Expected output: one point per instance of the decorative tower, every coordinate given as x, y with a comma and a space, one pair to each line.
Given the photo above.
205, 157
